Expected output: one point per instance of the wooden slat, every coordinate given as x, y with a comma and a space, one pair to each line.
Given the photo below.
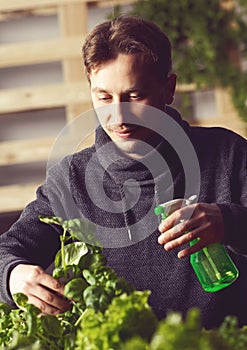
186, 87
50, 96
109, 3
40, 51
36, 150
13, 5
16, 197
12, 15
24, 5
31, 151
73, 20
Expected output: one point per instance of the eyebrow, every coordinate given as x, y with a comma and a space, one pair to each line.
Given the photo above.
98, 89
134, 89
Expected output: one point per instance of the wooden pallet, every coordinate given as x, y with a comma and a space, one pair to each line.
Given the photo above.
72, 93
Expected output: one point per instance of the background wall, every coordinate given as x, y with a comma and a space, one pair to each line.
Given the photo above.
42, 88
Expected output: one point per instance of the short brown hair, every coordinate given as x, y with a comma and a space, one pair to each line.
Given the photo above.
128, 35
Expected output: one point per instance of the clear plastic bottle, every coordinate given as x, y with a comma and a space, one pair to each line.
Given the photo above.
213, 265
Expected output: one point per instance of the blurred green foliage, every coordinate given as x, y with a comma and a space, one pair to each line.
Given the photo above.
209, 42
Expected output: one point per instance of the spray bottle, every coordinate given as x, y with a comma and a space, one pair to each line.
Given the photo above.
212, 264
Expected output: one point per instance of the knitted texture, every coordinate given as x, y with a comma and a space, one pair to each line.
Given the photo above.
81, 185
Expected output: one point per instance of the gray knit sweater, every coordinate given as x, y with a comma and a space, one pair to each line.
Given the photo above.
117, 193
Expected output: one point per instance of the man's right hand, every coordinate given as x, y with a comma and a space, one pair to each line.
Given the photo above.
42, 290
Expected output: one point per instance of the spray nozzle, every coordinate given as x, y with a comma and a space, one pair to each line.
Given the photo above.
167, 208
159, 210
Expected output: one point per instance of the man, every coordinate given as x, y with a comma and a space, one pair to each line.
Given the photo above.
131, 168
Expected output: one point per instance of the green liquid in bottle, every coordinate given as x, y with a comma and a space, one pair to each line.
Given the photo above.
213, 267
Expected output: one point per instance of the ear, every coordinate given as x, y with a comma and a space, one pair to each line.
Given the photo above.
170, 89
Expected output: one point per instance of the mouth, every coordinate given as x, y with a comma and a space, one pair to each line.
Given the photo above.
125, 132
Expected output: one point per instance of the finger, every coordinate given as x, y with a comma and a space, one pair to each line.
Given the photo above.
42, 286
200, 244
171, 234
42, 278
50, 299
181, 215
183, 226
47, 298
169, 222
178, 230
190, 250
44, 307
188, 237
199, 232
185, 238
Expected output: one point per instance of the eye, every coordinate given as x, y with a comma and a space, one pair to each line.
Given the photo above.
105, 98
136, 96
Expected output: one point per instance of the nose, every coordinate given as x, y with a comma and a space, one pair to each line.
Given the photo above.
118, 115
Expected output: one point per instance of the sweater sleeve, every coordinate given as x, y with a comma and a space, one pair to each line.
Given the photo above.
235, 220
235, 213
30, 241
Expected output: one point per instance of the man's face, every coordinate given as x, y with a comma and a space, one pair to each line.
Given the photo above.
127, 79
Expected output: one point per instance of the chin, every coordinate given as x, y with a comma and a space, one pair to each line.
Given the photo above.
133, 148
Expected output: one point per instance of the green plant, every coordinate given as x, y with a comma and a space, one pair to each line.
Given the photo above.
209, 40
92, 288
107, 312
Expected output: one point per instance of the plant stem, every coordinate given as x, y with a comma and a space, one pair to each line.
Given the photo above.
80, 318
63, 254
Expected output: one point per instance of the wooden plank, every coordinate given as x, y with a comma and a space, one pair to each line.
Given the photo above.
13, 5
186, 87
16, 197
12, 15
40, 51
31, 151
109, 3
227, 114
36, 150
49, 96
73, 21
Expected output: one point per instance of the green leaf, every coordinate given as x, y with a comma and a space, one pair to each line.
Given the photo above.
91, 297
89, 277
97, 297
51, 325
103, 274
32, 309
4, 309
58, 272
21, 300
136, 343
73, 253
81, 230
74, 289
120, 285
51, 220
20, 341
31, 319
97, 260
